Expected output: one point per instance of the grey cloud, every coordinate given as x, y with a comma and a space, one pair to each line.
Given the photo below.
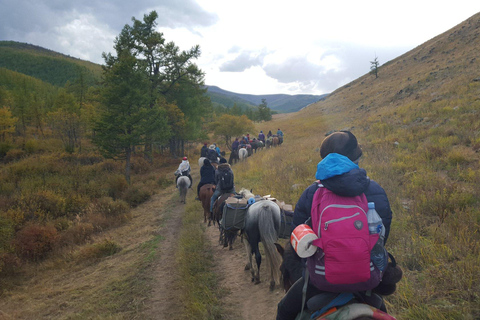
43, 22
354, 63
25, 16
243, 61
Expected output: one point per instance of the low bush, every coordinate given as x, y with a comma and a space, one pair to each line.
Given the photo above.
76, 234
13, 155
33, 242
99, 250
116, 185
136, 195
9, 263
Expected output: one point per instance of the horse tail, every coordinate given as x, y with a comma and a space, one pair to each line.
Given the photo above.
268, 225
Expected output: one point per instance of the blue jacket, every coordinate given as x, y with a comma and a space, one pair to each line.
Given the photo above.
345, 179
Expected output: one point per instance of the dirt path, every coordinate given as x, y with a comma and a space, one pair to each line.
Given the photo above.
244, 300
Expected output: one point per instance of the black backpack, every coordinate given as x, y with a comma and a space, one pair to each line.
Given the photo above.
226, 180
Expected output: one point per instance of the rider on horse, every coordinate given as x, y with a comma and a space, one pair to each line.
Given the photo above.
224, 180
184, 170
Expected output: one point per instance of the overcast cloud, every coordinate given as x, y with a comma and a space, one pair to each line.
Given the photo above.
249, 46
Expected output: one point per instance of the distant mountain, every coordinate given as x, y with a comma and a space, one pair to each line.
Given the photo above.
282, 103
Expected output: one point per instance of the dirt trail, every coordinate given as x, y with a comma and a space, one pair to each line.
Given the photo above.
243, 300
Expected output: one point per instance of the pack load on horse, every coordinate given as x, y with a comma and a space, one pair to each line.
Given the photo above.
234, 212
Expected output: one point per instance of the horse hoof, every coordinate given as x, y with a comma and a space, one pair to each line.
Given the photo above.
247, 267
257, 281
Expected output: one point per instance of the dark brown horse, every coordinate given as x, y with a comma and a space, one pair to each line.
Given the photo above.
233, 157
205, 194
226, 237
291, 267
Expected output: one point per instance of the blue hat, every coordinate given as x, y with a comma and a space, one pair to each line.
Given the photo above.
251, 201
261, 131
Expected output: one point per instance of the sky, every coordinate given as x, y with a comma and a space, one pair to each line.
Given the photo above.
249, 46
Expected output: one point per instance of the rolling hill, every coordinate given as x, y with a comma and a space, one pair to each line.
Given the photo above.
46, 65
282, 103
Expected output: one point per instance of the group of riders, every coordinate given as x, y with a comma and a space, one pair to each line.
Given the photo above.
246, 141
341, 176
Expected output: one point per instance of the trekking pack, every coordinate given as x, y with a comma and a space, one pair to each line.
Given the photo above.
342, 261
226, 180
234, 211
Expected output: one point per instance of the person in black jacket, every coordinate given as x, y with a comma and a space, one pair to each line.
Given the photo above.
207, 175
204, 150
345, 183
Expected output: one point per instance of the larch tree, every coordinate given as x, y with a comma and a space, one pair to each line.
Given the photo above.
128, 117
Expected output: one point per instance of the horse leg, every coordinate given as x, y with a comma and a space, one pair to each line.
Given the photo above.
248, 250
258, 260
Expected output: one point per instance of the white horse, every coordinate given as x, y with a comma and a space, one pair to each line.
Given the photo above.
183, 183
262, 223
200, 161
242, 154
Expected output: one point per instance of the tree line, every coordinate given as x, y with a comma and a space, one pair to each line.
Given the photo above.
151, 97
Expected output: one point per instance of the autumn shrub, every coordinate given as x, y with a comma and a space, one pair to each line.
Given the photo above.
13, 155
75, 203
116, 185
62, 223
99, 250
164, 182
140, 165
109, 207
111, 166
7, 231
5, 146
34, 241
31, 146
9, 263
136, 195
78, 233
44, 204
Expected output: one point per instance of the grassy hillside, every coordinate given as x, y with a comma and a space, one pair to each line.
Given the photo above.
46, 65
419, 127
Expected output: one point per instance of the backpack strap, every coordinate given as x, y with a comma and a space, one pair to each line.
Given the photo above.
304, 292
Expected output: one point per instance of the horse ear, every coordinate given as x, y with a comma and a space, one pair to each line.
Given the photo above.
251, 190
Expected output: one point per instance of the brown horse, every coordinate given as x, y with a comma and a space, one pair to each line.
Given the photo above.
226, 237
275, 141
205, 194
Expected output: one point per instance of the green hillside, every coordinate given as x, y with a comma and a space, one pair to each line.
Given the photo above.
46, 65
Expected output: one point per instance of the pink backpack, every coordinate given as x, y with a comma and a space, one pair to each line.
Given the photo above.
342, 262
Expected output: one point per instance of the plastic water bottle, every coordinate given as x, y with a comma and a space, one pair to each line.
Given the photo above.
374, 221
375, 225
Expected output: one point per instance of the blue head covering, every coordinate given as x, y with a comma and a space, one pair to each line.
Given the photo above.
334, 164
